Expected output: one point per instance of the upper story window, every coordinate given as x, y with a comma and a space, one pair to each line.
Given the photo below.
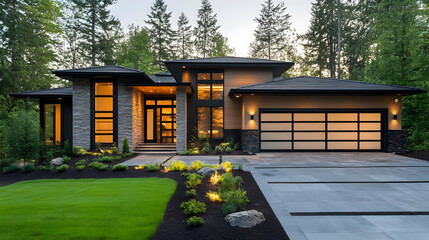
210, 86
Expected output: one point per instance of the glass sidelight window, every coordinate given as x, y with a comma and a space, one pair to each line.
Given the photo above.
103, 112
210, 121
52, 124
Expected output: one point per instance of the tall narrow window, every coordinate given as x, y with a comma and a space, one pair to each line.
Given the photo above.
210, 121
52, 124
103, 115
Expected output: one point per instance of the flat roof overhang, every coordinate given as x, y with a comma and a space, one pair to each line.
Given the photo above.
235, 92
65, 92
160, 89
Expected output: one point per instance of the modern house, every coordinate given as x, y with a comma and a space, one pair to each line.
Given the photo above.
222, 97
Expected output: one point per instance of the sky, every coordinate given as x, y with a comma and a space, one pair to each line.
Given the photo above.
235, 17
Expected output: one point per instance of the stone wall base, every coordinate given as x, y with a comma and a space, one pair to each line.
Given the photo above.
396, 141
250, 141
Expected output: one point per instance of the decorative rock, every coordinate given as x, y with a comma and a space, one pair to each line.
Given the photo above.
57, 161
206, 171
245, 219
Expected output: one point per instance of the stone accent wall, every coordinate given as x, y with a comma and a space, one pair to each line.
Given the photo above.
125, 115
81, 113
250, 141
138, 118
396, 141
181, 120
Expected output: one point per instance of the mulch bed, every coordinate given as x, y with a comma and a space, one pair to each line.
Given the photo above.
174, 224
423, 155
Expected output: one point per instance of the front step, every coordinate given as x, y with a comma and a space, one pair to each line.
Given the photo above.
155, 148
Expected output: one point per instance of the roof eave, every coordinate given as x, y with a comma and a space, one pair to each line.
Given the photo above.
300, 92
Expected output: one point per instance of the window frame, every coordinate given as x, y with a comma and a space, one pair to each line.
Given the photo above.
211, 82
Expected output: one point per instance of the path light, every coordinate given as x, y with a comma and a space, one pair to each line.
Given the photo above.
213, 196
165, 170
139, 167
215, 178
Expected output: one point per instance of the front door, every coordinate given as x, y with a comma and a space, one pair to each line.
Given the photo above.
160, 120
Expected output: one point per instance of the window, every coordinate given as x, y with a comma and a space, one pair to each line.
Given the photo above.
103, 112
210, 121
52, 126
210, 86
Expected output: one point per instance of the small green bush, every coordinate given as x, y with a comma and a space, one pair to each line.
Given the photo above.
114, 149
197, 165
80, 167
79, 151
193, 180
96, 165
46, 168
120, 167
191, 193
6, 162
48, 157
195, 221
62, 168
218, 149
125, 147
193, 207
237, 146
206, 150
177, 166
183, 153
98, 147
228, 149
67, 148
14, 167
229, 182
81, 162
152, 167
29, 167
234, 201
66, 159
124, 155
240, 166
105, 159
103, 167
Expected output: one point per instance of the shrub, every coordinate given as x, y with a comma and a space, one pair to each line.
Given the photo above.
234, 201
120, 167
206, 149
183, 153
62, 168
197, 165
66, 159
177, 166
6, 162
125, 147
29, 167
191, 193
218, 149
103, 167
229, 182
152, 167
81, 162
193, 207
227, 166
67, 148
240, 166
195, 221
46, 168
48, 157
96, 165
105, 159
124, 155
79, 151
98, 147
228, 149
14, 167
237, 146
80, 167
114, 149
193, 180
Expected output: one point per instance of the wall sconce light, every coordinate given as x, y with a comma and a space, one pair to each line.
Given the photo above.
396, 100
252, 117
395, 117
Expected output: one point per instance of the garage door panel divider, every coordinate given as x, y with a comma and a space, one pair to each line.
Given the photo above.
342, 129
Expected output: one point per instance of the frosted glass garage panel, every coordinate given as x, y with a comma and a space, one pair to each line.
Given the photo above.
276, 126
370, 126
309, 117
276, 136
309, 145
309, 136
370, 145
342, 116
309, 126
370, 117
342, 126
276, 145
370, 136
276, 117
342, 145
342, 136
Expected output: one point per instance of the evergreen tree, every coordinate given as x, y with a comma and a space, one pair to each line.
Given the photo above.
98, 30
135, 51
221, 47
273, 35
206, 30
161, 33
184, 46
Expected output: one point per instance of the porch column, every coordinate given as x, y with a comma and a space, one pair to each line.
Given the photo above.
181, 121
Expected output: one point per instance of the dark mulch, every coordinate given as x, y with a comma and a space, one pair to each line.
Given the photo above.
174, 223
423, 155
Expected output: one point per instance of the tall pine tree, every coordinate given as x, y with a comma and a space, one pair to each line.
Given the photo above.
184, 44
98, 29
221, 47
206, 30
273, 35
161, 33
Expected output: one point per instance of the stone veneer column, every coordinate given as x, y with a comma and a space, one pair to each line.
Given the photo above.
125, 115
138, 118
181, 120
396, 141
250, 141
81, 113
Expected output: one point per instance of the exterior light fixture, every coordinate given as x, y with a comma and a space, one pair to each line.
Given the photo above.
396, 100
252, 117
395, 116
237, 96
183, 67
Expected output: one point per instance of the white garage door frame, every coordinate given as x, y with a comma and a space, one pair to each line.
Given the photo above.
290, 126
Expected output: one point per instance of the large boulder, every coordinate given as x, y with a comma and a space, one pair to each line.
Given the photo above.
245, 219
206, 171
57, 161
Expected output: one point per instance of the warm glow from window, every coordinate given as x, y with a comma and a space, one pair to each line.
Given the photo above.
103, 115
52, 124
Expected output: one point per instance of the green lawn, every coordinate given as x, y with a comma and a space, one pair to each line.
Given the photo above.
121, 208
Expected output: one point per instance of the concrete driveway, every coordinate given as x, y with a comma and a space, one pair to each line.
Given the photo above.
345, 195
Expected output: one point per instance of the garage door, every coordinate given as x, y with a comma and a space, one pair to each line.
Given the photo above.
332, 131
